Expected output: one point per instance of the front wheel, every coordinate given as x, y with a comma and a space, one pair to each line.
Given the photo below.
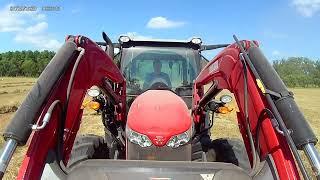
228, 150
88, 146
85, 147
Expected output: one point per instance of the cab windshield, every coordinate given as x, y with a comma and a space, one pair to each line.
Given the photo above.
149, 67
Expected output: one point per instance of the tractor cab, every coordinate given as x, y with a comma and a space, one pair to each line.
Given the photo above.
159, 65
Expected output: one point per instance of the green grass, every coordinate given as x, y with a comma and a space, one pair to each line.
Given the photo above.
225, 125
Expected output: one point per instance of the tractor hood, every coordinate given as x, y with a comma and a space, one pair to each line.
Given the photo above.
159, 114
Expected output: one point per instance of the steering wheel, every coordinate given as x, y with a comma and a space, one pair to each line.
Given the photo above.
159, 83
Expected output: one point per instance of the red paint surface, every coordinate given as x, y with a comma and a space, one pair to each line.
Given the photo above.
159, 114
94, 66
162, 113
229, 75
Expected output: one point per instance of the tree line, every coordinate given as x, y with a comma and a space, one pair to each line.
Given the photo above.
298, 71
24, 63
294, 71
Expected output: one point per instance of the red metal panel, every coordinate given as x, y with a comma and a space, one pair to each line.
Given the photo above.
226, 69
159, 115
94, 66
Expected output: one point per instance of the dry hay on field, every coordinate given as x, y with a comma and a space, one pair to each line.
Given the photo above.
8, 108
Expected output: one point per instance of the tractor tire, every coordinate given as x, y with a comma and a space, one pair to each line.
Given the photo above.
223, 151
228, 150
110, 142
88, 146
85, 147
196, 152
240, 153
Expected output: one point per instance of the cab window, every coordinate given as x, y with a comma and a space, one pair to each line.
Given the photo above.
144, 66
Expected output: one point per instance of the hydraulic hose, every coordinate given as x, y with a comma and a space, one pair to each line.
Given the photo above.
46, 117
59, 150
82, 51
255, 160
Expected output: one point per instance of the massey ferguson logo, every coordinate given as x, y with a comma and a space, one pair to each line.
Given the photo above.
159, 140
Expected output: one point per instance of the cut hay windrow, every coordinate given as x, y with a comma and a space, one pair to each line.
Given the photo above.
8, 108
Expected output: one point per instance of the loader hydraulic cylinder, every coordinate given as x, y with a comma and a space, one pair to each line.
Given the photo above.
20, 126
301, 133
287, 107
6, 155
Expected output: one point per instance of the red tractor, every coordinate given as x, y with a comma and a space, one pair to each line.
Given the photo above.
157, 114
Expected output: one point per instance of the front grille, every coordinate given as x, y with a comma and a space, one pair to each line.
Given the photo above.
165, 153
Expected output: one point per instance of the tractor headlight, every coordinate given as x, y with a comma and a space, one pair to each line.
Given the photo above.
94, 91
196, 40
180, 139
124, 39
137, 138
225, 99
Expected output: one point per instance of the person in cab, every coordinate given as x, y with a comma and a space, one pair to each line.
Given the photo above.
156, 76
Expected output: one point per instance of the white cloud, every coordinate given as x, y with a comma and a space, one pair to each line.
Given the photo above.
40, 17
275, 53
307, 8
28, 27
137, 36
41, 42
38, 28
9, 22
38, 37
163, 23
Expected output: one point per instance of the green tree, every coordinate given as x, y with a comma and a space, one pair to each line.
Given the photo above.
297, 71
8, 69
24, 63
29, 68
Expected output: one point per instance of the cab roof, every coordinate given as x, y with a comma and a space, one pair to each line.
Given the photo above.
160, 43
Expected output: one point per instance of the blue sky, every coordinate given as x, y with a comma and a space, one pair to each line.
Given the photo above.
283, 28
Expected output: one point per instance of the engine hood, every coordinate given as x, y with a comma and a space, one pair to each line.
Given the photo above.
159, 114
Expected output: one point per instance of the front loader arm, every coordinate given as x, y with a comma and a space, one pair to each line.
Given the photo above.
84, 64
225, 71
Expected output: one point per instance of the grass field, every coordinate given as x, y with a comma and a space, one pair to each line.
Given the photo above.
13, 91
